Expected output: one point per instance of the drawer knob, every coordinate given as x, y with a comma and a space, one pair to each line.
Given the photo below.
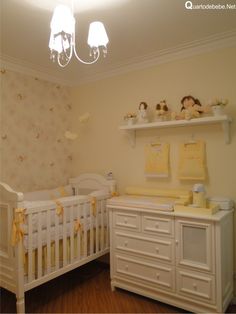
158, 275
195, 286
157, 249
125, 220
157, 225
126, 267
126, 243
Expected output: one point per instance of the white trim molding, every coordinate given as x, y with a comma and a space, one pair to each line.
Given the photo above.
204, 45
182, 51
16, 65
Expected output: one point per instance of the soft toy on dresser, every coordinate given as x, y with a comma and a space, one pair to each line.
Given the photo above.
162, 111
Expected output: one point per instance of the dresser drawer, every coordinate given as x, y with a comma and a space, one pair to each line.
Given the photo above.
130, 221
196, 285
157, 225
162, 249
149, 273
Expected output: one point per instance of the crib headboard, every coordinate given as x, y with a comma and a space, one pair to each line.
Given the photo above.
92, 181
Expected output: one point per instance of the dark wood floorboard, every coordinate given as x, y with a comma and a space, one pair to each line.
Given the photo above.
85, 290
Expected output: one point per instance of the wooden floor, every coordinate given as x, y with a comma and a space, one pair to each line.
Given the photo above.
85, 290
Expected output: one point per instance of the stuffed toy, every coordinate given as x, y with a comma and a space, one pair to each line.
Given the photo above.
162, 111
191, 108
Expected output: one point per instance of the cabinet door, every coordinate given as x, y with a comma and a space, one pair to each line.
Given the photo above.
194, 244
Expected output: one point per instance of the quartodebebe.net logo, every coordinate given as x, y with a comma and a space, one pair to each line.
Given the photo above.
190, 6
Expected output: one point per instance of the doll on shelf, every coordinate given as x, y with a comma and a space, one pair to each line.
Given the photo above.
142, 112
191, 108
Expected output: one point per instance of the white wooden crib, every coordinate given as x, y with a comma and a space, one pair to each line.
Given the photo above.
45, 234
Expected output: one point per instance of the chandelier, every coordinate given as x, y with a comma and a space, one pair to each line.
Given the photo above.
62, 38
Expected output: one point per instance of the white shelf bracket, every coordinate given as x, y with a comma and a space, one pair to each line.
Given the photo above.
226, 129
132, 137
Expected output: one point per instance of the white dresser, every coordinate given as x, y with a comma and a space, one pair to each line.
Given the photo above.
182, 259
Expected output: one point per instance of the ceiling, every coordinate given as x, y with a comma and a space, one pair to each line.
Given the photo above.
139, 31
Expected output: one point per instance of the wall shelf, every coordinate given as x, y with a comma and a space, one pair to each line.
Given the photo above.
224, 120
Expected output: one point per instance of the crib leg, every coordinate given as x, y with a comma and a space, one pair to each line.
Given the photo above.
113, 288
20, 305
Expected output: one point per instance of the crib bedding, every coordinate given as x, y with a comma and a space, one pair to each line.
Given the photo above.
84, 226
50, 232
77, 250
80, 204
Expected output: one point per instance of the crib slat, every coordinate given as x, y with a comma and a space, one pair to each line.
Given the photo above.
48, 241
91, 232
71, 233
30, 238
85, 209
39, 245
106, 225
64, 237
79, 232
102, 225
56, 241
97, 226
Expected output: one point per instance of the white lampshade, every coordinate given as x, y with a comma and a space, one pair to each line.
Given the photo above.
62, 20
97, 35
57, 43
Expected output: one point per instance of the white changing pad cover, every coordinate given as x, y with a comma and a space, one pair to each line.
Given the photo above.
148, 202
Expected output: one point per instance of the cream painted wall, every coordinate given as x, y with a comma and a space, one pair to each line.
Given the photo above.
102, 147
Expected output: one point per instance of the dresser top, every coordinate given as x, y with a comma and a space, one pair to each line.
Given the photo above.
159, 205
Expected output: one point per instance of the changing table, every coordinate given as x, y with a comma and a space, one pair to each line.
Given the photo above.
183, 259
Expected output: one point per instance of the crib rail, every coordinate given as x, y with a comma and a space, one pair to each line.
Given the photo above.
56, 243
39, 243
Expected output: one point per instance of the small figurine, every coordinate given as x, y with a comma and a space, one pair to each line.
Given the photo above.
142, 112
162, 111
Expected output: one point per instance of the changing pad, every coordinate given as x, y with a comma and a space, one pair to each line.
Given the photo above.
149, 202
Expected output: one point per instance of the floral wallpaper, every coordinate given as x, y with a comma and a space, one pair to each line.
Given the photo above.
34, 116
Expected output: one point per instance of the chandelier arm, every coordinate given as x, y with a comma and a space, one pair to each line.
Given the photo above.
87, 62
71, 50
68, 58
59, 62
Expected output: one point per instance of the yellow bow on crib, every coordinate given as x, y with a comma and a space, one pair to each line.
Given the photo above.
113, 194
94, 205
77, 226
59, 208
17, 231
62, 191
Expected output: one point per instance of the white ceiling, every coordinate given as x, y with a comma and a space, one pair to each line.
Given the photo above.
139, 31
